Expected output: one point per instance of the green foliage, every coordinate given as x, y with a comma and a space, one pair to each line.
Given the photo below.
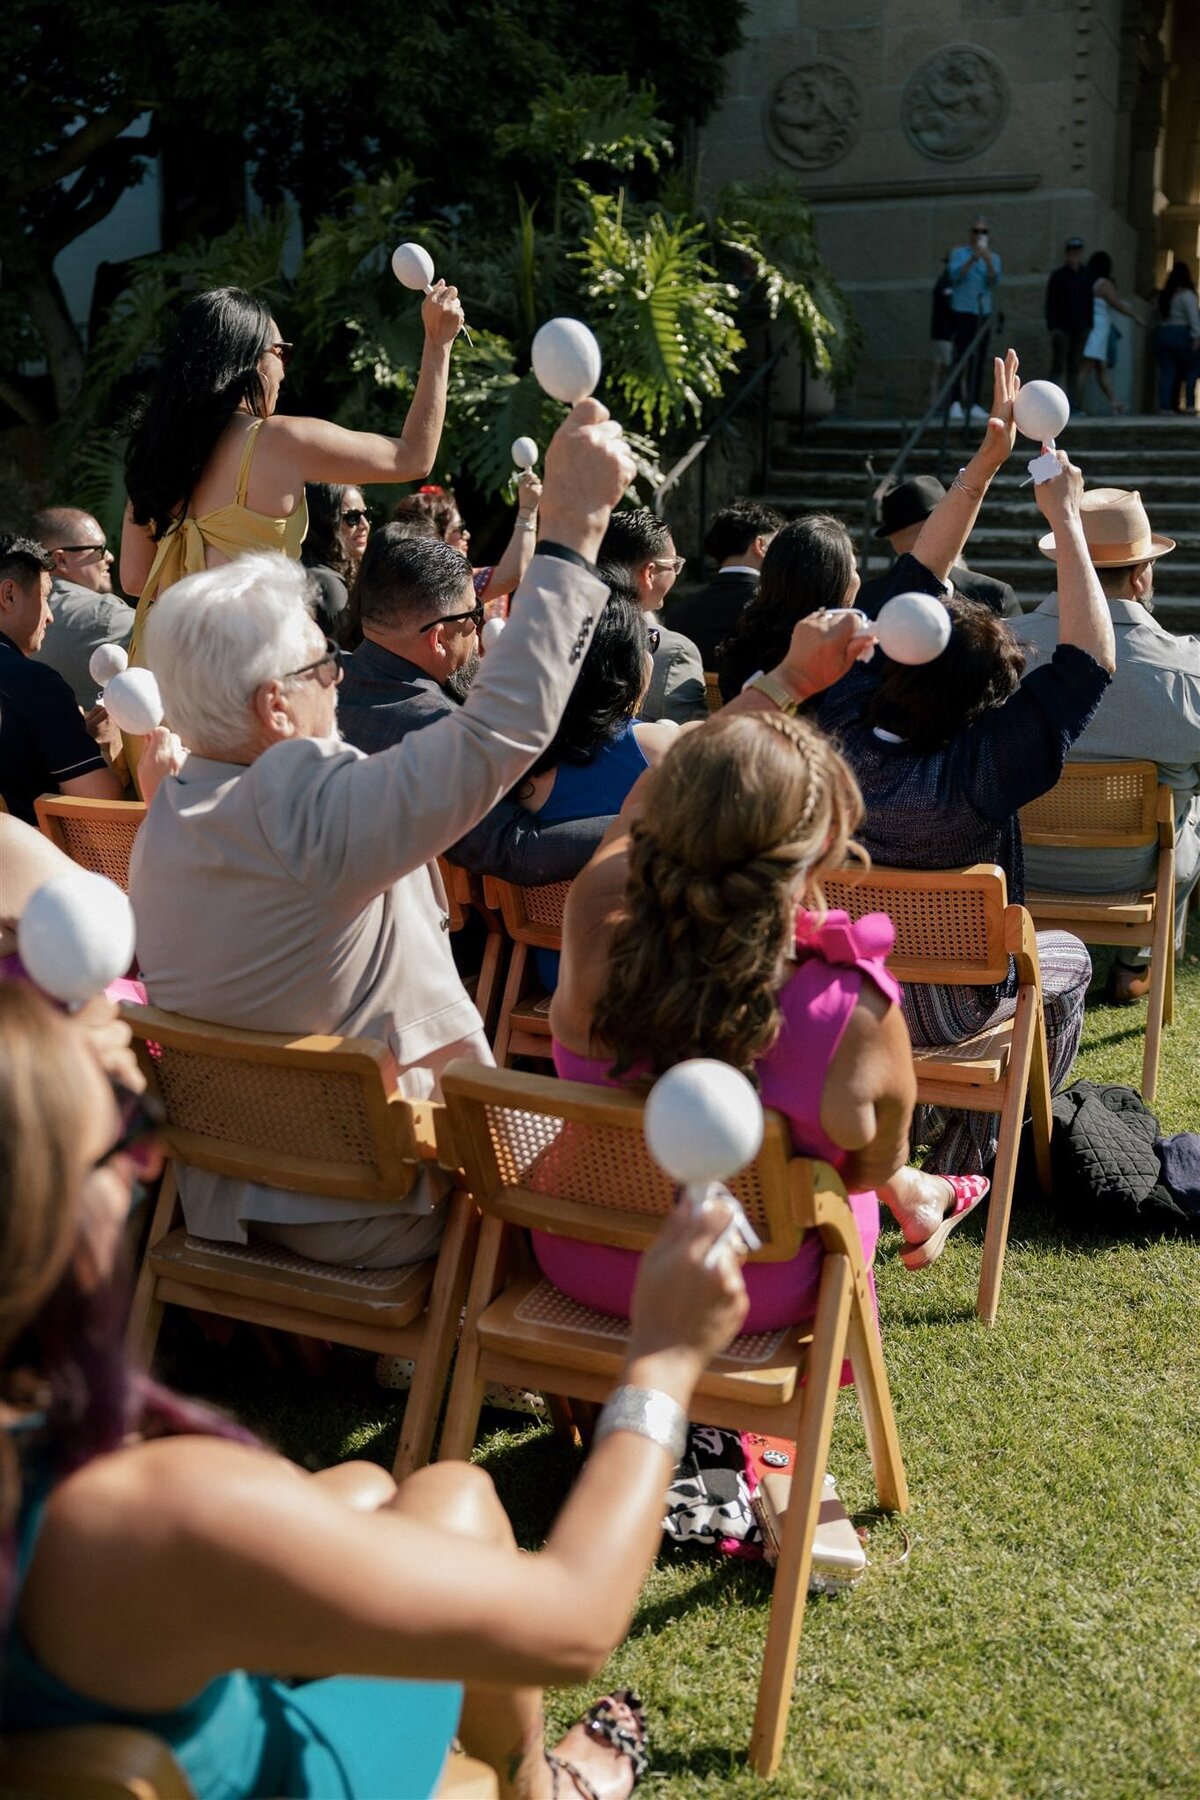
590, 119
664, 320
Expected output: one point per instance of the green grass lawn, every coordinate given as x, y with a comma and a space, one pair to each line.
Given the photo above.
1034, 1628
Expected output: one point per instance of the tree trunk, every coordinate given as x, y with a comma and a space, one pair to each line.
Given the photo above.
42, 294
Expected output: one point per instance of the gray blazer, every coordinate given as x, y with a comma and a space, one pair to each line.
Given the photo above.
676, 688
298, 894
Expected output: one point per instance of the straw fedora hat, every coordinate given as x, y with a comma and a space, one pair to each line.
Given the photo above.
1116, 528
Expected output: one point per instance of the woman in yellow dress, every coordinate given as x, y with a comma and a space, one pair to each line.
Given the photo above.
213, 470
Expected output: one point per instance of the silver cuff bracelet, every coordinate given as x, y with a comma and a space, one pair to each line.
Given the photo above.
648, 1412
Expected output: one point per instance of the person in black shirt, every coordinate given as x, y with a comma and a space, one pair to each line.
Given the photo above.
737, 540
1068, 317
44, 744
902, 512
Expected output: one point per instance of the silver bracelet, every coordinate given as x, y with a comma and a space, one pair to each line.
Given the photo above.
650, 1413
525, 524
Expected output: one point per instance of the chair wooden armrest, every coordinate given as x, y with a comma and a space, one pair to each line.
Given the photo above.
1164, 813
1020, 940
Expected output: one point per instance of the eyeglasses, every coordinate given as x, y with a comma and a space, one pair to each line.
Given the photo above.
653, 639
327, 669
356, 515
283, 352
476, 616
100, 549
668, 562
141, 1121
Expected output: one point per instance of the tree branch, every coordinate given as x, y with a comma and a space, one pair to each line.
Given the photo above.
23, 404
72, 153
111, 172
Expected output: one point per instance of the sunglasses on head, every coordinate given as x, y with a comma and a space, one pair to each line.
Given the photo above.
283, 351
355, 515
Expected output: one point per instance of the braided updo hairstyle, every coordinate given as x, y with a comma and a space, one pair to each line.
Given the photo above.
740, 818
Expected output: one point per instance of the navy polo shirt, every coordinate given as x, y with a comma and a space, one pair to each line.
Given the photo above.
43, 740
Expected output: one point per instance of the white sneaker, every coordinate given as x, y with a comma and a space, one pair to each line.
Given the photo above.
957, 415
978, 416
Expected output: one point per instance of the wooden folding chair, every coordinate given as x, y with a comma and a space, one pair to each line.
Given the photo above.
955, 928
464, 896
118, 1762
571, 1158
1114, 806
98, 834
712, 691
89, 1762
533, 920
315, 1115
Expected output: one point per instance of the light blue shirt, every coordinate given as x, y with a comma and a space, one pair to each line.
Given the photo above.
972, 282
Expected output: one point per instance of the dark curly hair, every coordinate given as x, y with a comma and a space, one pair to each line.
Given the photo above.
930, 703
738, 823
809, 565
209, 368
431, 507
323, 546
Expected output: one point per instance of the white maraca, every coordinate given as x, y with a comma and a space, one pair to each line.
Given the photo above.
912, 628
703, 1123
524, 452
133, 702
106, 661
1041, 411
76, 935
566, 360
412, 266
492, 631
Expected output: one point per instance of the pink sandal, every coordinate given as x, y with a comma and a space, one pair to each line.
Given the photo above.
969, 1190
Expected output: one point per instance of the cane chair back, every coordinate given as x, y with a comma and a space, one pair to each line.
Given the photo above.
571, 1159
464, 900
315, 1115
90, 1762
956, 928
1114, 806
533, 919
712, 691
97, 834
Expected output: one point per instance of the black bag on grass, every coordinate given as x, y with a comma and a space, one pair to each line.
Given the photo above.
1105, 1161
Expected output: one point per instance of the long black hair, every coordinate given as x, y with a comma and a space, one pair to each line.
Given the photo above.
808, 565
611, 678
323, 547
209, 369
1179, 277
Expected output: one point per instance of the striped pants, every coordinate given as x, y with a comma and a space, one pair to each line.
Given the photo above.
962, 1143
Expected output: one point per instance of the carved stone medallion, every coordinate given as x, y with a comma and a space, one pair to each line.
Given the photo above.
955, 103
812, 115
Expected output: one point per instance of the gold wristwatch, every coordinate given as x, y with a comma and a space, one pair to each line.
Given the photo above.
775, 691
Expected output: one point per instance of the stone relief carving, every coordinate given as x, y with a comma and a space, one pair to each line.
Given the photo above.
812, 115
955, 103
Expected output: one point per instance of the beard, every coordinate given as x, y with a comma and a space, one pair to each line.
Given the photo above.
458, 685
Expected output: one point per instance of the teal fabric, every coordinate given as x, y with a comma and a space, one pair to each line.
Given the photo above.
250, 1737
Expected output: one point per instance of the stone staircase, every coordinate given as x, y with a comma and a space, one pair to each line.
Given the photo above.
826, 471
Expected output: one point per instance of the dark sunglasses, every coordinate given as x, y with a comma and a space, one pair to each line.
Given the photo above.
327, 669
356, 515
283, 352
475, 615
142, 1118
653, 639
78, 549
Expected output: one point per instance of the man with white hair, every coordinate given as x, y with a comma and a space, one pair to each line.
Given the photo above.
283, 881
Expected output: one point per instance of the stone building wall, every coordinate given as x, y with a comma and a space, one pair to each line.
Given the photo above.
900, 119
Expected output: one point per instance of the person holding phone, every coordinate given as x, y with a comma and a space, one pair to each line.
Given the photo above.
974, 270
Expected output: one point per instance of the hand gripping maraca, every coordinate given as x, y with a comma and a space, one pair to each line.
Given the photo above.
911, 628
524, 454
412, 266
129, 696
703, 1124
1041, 410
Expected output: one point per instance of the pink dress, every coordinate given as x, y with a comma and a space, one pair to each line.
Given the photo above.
834, 957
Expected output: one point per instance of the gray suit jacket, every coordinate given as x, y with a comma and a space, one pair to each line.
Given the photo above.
298, 894
676, 688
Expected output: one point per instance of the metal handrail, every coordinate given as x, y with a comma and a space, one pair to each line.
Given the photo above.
703, 443
941, 402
